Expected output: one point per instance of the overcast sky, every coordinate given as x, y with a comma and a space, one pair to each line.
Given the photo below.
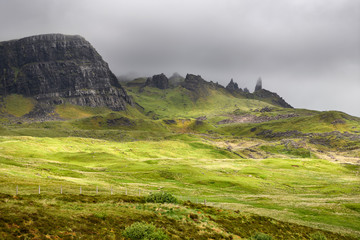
308, 51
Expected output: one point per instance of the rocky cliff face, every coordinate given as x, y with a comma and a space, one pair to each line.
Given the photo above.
56, 68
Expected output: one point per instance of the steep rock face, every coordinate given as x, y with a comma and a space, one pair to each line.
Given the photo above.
56, 68
159, 81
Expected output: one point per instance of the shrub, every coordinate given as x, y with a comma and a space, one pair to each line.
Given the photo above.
317, 236
161, 197
100, 215
260, 236
144, 231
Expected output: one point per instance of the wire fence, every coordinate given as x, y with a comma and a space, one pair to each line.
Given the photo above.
21, 189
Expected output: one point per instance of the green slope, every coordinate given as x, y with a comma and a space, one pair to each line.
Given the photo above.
179, 102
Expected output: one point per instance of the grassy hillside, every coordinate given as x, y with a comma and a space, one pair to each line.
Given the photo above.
306, 191
178, 102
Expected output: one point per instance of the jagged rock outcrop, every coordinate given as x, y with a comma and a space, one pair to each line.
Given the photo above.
56, 68
192, 82
258, 85
197, 85
232, 86
159, 81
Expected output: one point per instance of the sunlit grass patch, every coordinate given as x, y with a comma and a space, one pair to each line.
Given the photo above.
18, 105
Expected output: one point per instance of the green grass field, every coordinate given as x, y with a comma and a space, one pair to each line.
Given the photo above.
310, 192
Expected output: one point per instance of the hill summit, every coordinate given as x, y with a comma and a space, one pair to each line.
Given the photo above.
55, 69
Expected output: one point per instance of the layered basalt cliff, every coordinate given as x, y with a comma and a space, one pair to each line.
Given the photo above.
56, 68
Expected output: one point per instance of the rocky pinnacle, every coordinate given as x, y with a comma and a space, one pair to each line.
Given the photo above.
258, 85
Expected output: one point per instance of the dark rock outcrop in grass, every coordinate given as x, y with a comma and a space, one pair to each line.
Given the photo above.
159, 81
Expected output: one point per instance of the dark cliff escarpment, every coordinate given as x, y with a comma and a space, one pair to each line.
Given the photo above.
56, 68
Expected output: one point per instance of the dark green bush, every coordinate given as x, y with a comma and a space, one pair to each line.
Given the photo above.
260, 236
317, 236
161, 197
144, 231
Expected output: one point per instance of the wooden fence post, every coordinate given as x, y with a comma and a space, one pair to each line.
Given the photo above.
111, 190
97, 190
139, 192
39, 189
60, 189
125, 191
80, 190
